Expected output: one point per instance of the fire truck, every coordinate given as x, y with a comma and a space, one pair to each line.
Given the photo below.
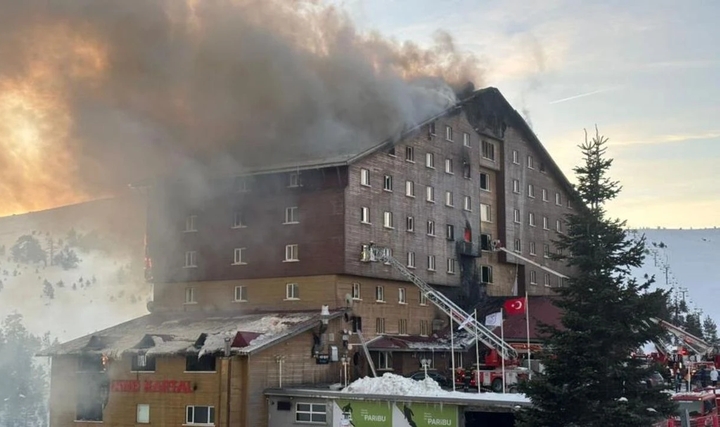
489, 375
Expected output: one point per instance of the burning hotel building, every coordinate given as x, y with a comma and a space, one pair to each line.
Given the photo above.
258, 280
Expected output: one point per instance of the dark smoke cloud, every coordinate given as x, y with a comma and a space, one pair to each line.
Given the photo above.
95, 94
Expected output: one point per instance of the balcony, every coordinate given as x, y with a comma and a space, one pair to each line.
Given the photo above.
468, 249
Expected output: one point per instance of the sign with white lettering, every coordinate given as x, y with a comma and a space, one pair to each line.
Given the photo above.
363, 413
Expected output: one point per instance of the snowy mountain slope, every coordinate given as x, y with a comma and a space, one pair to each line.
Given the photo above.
692, 258
106, 286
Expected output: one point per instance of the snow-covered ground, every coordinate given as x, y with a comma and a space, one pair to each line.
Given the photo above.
395, 385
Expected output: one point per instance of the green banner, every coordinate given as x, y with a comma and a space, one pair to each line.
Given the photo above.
361, 413
426, 415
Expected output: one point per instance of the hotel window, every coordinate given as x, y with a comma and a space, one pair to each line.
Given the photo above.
545, 223
411, 259
242, 184
385, 357
190, 296
430, 194
379, 294
430, 263
142, 415
292, 291
449, 199
449, 166
516, 215
410, 154
542, 167
388, 220
291, 215
423, 298
530, 162
485, 242
485, 213
240, 293
531, 219
558, 199
431, 128
193, 363
142, 363
387, 183
451, 265
430, 160
291, 253
546, 250
190, 259
516, 157
544, 195
239, 256
409, 188
294, 180
467, 203
200, 415
365, 177
558, 226
533, 277
356, 291
401, 296
239, 220
380, 326
190, 221
365, 215
450, 232
402, 326
484, 181
516, 186
531, 191
466, 170
311, 413
431, 228
488, 150
518, 245
391, 151
546, 280
486, 274
448, 133
410, 224
424, 328
388, 253
466, 139
532, 248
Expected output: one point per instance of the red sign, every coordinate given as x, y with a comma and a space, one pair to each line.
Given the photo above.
165, 386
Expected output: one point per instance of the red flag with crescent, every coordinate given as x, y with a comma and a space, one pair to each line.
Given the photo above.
515, 306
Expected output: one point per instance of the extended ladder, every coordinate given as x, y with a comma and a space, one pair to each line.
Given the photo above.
367, 352
372, 253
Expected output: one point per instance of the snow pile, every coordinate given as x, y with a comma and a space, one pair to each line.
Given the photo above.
268, 326
272, 326
395, 385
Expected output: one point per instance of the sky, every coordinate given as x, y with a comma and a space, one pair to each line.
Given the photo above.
645, 72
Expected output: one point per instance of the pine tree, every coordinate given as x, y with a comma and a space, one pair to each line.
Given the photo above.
710, 332
693, 324
590, 378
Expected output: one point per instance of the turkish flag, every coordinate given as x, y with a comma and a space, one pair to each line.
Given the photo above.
515, 306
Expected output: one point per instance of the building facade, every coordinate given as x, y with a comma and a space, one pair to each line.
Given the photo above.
288, 238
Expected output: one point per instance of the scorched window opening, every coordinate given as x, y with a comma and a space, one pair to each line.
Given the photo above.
193, 363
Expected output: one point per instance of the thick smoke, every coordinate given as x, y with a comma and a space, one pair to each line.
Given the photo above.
95, 94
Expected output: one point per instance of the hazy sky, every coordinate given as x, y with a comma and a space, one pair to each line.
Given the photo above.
646, 72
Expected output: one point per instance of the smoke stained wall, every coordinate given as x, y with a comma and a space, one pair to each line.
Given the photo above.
95, 94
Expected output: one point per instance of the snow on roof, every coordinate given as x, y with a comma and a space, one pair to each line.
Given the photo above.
173, 333
395, 385
462, 341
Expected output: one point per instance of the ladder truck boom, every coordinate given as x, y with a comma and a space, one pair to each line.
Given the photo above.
372, 253
698, 345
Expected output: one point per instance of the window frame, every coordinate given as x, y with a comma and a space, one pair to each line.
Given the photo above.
365, 177
210, 413
430, 160
386, 358
448, 133
430, 194
388, 220
190, 297
410, 188
531, 219
410, 154
379, 325
243, 293
365, 215
238, 220
411, 259
515, 157
291, 215
292, 291
239, 260
532, 250
294, 180
431, 264
431, 228
311, 413
449, 199
380, 293
191, 224
467, 203
356, 290
190, 259
423, 299
487, 150
531, 191
485, 212
533, 277
449, 166
516, 216
466, 140
292, 253
388, 183
402, 296
486, 274
451, 266
516, 186
530, 162
410, 224
402, 327
517, 245
146, 418
486, 177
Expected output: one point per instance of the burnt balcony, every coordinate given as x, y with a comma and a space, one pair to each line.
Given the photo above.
468, 249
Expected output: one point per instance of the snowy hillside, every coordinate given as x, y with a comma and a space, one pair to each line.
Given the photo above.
104, 286
692, 258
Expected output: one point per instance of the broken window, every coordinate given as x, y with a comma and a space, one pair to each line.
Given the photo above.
486, 274
410, 224
431, 128
410, 154
387, 183
450, 232
485, 242
142, 363
484, 181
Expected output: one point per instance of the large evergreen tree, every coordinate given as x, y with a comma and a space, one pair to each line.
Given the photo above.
590, 378
710, 332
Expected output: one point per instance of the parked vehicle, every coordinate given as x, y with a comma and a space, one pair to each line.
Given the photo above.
439, 378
